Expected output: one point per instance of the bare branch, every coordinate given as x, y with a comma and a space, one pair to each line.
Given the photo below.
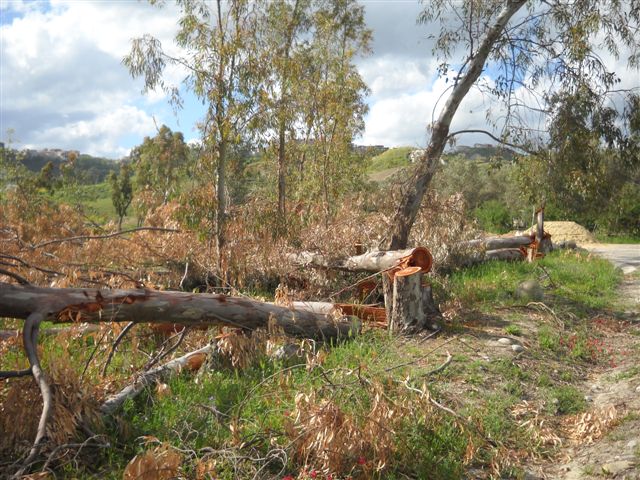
491, 135
15, 276
110, 235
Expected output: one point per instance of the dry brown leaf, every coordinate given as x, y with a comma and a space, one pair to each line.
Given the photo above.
160, 463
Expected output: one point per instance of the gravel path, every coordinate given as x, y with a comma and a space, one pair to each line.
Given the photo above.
616, 455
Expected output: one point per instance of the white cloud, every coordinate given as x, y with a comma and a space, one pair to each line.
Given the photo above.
389, 76
100, 135
62, 79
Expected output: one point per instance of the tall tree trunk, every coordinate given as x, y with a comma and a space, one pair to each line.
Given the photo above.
282, 172
221, 202
410, 203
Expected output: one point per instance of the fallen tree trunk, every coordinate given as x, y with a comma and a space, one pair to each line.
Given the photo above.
505, 254
149, 306
375, 261
37, 304
496, 243
190, 361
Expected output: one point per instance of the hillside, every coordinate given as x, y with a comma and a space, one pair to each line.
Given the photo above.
384, 165
89, 169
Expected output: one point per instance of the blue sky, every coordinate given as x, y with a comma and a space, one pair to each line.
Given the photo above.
63, 84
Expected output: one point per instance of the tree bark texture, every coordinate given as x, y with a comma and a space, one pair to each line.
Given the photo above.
141, 305
543, 238
375, 261
495, 243
412, 199
408, 312
505, 254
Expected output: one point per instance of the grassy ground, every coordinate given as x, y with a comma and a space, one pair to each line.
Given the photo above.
376, 406
392, 158
624, 239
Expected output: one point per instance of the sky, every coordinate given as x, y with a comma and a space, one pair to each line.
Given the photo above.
62, 83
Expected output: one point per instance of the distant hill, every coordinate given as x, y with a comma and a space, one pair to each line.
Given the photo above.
483, 152
391, 158
89, 169
384, 165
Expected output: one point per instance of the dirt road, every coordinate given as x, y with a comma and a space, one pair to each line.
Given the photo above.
616, 454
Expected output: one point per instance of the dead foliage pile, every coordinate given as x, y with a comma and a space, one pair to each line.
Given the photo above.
75, 410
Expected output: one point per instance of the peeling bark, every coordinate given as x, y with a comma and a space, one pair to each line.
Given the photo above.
375, 261
142, 305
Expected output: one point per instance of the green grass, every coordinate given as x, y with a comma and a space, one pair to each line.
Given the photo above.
585, 282
618, 238
392, 158
565, 400
548, 338
514, 330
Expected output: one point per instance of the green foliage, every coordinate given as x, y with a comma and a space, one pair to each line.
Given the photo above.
489, 189
431, 450
121, 191
586, 281
548, 339
591, 170
158, 163
513, 330
493, 216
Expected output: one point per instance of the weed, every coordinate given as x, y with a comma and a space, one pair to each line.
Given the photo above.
565, 400
513, 330
548, 339
544, 380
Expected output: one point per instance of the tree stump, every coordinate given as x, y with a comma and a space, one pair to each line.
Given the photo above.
387, 290
408, 305
431, 311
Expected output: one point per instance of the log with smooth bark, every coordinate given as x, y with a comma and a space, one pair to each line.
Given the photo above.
374, 261
141, 305
496, 243
37, 304
190, 361
505, 254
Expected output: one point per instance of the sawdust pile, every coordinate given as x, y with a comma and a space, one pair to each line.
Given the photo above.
564, 231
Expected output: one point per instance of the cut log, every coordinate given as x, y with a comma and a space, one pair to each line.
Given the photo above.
375, 261
408, 309
94, 306
505, 254
496, 243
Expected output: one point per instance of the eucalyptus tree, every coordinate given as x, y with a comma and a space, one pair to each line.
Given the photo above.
285, 32
158, 162
590, 168
334, 106
529, 49
121, 191
220, 57
314, 96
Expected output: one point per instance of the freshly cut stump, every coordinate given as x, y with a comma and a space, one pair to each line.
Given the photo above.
408, 305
